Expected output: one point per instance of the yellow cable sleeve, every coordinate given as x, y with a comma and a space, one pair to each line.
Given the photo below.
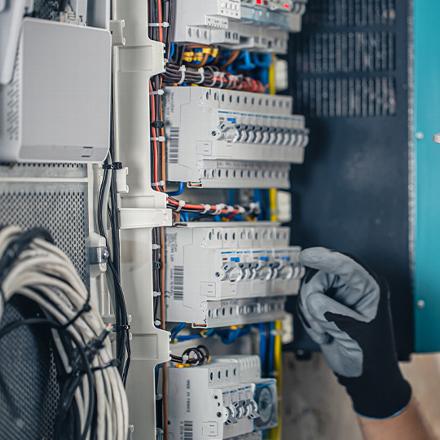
272, 81
273, 204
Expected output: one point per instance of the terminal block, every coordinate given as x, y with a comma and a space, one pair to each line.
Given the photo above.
229, 139
224, 399
262, 25
229, 274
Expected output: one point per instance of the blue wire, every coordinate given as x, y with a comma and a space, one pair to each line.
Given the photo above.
176, 330
179, 191
271, 348
262, 330
172, 48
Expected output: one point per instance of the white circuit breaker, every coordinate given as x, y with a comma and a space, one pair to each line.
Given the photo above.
224, 399
215, 273
229, 139
259, 25
57, 106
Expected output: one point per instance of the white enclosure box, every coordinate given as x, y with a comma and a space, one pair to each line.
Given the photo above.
221, 400
57, 106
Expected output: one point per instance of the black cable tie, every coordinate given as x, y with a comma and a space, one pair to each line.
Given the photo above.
121, 327
158, 124
84, 309
112, 166
113, 363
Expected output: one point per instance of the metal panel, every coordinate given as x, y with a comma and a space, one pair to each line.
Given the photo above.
350, 75
427, 155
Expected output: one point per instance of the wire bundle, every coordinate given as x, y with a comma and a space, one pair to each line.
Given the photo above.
211, 76
219, 209
92, 392
193, 356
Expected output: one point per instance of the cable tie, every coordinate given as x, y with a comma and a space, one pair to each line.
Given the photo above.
156, 294
84, 309
160, 183
182, 71
219, 208
157, 323
222, 76
158, 124
182, 204
159, 139
164, 24
240, 209
112, 166
206, 209
202, 76
159, 92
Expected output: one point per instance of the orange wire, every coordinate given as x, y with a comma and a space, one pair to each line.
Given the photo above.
159, 19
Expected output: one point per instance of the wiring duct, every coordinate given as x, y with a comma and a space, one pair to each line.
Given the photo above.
92, 392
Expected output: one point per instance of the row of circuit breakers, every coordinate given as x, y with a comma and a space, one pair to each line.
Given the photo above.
218, 274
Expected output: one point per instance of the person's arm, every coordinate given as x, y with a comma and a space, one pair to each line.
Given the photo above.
346, 310
410, 425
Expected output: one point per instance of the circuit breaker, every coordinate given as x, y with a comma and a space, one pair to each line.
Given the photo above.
257, 25
224, 399
215, 273
227, 139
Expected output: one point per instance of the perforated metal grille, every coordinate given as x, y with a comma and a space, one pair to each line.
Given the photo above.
64, 170
350, 12
60, 208
28, 393
344, 62
47, 9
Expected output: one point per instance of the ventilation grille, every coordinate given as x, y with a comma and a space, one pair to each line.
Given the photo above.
60, 208
30, 390
344, 62
350, 13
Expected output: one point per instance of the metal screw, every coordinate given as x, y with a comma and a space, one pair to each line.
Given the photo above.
436, 138
421, 304
420, 135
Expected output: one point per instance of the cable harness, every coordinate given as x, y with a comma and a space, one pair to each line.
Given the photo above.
92, 391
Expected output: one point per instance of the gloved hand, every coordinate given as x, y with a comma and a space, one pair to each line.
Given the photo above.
347, 312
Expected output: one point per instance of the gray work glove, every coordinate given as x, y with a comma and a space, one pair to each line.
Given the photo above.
346, 311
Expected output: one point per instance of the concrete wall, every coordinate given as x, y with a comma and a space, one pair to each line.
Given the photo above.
317, 408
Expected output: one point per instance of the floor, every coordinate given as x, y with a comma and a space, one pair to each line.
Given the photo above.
316, 407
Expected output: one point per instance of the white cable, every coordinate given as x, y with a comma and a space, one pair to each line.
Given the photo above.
45, 275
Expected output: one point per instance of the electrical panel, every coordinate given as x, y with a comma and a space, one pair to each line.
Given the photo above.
230, 139
257, 25
104, 107
56, 108
224, 399
216, 273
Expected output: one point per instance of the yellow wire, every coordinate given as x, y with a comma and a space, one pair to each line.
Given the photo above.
272, 81
273, 196
276, 433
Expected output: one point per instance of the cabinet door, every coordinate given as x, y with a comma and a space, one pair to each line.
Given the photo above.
351, 79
